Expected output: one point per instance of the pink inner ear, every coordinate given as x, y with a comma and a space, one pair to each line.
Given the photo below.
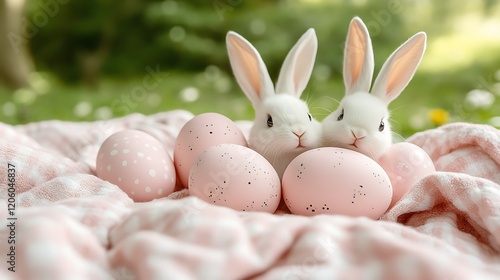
253, 72
304, 62
357, 51
400, 70
403, 67
249, 65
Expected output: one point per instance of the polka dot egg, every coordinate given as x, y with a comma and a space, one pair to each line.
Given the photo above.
137, 163
237, 177
200, 133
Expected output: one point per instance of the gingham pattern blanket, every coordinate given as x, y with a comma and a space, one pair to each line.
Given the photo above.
72, 225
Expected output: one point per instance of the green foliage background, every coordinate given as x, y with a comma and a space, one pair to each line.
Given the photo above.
186, 40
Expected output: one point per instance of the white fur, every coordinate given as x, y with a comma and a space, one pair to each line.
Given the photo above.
279, 144
364, 111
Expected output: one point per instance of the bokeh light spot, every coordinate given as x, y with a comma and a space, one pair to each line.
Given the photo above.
189, 94
82, 109
177, 34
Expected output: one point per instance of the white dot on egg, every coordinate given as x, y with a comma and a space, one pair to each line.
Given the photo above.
160, 191
152, 172
119, 179
125, 138
165, 176
147, 145
132, 192
148, 189
164, 162
149, 158
136, 136
113, 152
124, 163
108, 167
136, 181
116, 144
140, 154
154, 148
135, 161
166, 167
126, 151
126, 142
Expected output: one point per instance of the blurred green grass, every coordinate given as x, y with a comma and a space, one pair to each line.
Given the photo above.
215, 91
458, 79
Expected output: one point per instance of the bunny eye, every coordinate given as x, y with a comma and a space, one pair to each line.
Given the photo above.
310, 117
269, 121
341, 116
381, 126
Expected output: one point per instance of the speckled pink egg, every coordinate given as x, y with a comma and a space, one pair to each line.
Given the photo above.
200, 133
406, 164
336, 181
237, 177
137, 163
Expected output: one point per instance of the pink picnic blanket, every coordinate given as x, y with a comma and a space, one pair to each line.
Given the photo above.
69, 224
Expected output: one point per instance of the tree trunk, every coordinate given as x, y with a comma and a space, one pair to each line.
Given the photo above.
15, 61
91, 61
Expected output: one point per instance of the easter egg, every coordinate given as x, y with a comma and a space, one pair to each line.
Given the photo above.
237, 177
406, 164
336, 181
200, 133
137, 163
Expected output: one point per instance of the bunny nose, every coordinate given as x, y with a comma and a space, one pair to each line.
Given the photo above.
357, 136
299, 135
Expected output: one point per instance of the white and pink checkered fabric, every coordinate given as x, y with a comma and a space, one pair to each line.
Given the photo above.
72, 225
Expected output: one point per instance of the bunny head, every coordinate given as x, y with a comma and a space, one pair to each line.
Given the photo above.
283, 127
361, 122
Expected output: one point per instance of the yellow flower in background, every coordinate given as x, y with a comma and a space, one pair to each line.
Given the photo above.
438, 116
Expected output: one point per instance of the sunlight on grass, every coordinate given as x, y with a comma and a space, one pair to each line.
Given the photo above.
474, 37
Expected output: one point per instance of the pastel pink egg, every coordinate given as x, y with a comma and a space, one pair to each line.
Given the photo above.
237, 177
200, 133
336, 181
406, 164
137, 163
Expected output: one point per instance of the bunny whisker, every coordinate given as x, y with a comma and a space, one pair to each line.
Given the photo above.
332, 98
394, 121
325, 111
398, 108
398, 136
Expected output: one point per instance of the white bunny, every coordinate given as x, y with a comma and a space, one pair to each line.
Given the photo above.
361, 122
283, 127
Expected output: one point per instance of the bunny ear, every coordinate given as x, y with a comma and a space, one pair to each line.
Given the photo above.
358, 58
298, 65
399, 68
248, 68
